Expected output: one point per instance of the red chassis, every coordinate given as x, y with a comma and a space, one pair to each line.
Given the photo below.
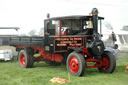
43, 56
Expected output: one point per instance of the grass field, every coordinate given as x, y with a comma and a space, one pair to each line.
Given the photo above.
13, 74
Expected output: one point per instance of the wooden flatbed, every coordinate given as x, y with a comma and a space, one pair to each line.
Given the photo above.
22, 40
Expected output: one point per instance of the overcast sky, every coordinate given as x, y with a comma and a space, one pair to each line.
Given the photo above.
29, 14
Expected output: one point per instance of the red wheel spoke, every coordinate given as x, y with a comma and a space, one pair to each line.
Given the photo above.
74, 65
106, 63
22, 59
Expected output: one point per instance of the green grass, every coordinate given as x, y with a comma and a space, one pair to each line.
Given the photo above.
13, 74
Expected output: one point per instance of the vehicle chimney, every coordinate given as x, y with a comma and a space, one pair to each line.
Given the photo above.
95, 20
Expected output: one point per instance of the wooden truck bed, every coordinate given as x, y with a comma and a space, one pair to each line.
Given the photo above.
22, 40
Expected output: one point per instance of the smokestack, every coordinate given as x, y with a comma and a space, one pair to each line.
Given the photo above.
95, 20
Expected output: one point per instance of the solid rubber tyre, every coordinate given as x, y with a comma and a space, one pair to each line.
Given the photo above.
26, 58
75, 64
108, 57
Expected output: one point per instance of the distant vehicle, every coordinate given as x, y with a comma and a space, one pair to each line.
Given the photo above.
5, 32
110, 42
121, 39
6, 55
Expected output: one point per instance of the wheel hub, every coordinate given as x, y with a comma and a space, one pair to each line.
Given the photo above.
106, 63
74, 65
22, 59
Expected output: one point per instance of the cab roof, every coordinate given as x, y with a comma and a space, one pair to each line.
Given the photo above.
74, 17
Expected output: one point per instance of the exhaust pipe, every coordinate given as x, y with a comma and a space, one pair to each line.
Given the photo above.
95, 20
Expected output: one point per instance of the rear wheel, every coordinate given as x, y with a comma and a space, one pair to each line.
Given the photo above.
75, 64
108, 63
26, 58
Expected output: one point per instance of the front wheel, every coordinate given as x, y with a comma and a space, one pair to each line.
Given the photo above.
108, 63
75, 64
